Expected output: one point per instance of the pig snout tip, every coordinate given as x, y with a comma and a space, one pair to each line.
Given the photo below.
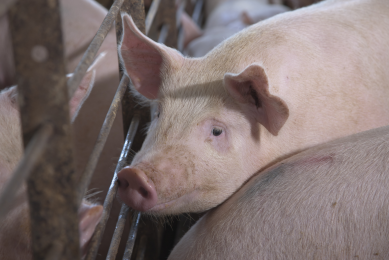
136, 189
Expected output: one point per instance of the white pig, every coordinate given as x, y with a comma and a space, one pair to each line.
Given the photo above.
328, 202
15, 228
227, 19
280, 86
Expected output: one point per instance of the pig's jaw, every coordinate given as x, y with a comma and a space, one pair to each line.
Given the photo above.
174, 206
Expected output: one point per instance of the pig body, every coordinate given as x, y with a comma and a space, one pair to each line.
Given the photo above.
328, 202
278, 87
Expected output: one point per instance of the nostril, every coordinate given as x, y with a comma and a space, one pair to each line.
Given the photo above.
136, 189
123, 183
143, 192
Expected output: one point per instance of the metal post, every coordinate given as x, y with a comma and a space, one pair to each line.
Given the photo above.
43, 98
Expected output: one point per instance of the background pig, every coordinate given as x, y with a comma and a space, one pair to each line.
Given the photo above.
80, 21
227, 19
328, 202
285, 84
15, 228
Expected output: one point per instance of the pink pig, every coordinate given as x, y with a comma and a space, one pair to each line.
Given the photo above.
280, 86
328, 202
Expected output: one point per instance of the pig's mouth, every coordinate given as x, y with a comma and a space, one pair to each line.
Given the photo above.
175, 206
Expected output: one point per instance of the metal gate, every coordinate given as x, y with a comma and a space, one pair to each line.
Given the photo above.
54, 191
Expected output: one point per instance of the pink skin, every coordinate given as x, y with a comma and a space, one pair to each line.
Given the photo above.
328, 202
137, 189
272, 93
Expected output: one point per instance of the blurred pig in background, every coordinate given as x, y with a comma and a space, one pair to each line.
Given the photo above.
15, 227
226, 19
80, 21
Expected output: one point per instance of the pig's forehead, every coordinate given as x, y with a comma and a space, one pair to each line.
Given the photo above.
188, 105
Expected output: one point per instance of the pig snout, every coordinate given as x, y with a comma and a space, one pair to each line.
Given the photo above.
136, 189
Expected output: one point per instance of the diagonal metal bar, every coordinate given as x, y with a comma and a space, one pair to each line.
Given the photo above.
131, 237
31, 156
102, 138
117, 235
196, 16
96, 239
93, 48
151, 15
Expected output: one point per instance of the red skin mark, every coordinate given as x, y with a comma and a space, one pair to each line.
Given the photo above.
316, 160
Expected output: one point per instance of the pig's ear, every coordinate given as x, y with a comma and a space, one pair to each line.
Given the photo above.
12, 94
89, 216
81, 93
144, 59
251, 88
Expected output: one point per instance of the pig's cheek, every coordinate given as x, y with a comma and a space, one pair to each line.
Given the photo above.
218, 143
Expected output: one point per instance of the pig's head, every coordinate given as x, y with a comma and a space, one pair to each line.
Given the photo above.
203, 142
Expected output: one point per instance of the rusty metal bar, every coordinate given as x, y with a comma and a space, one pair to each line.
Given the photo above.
180, 36
30, 158
142, 248
36, 33
151, 15
117, 235
102, 138
5, 5
93, 48
131, 237
96, 239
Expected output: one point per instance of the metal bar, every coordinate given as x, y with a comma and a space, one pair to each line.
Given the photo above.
197, 12
30, 158
117, 235
5, 5
151, 15
142, 248
167, 16
36, 34
93, 48
179, 12
102, 138
132, 236
163, 34
96, 239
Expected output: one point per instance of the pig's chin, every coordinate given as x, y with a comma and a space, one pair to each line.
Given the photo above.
175, 206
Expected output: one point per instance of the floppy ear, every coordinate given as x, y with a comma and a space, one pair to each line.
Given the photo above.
251, 88
144, 59
89, 215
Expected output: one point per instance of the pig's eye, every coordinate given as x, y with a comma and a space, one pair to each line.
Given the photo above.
158, 115
217, 131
